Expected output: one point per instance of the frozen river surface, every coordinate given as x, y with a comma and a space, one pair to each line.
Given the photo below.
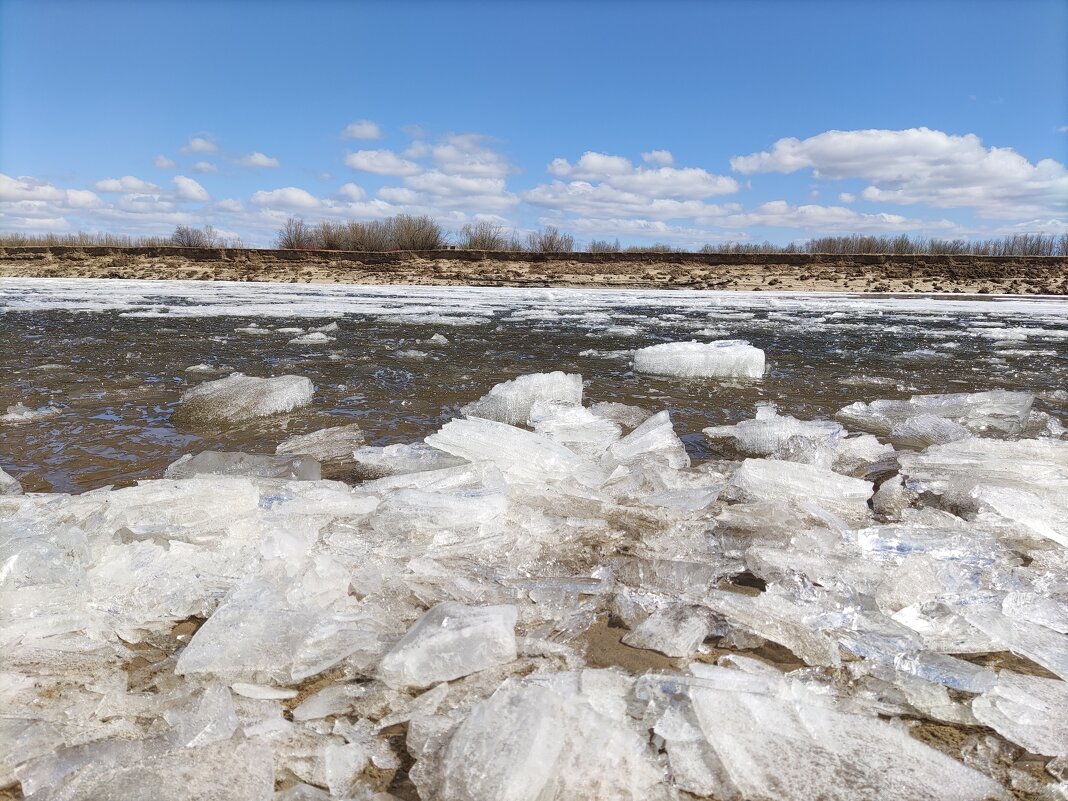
472, 544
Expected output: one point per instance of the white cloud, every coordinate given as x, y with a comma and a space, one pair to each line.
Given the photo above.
352, 191
619, 173
188, 189
289, 197
205, 167
466, 154
830, 219
1063, 129
257, 159
163, 163
381, 162
924, 166
601, 200
659, 158
846, 197
230, 205
363, 129
199, 144
128, 183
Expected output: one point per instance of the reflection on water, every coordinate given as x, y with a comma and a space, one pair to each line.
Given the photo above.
112, 358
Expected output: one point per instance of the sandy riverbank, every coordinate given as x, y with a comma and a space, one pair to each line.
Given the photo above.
812, 272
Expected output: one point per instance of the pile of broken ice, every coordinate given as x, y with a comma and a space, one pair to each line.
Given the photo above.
827, 602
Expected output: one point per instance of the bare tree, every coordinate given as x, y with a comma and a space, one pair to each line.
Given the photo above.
550, 240
483, 235
296, 235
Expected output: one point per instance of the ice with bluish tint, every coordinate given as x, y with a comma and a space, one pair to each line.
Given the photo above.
301, 468
998, 412
725, 358
240, 397
510, 401
450, 641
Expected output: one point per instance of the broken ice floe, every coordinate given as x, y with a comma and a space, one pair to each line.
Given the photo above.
239, 397
510, 401
726, 358
438, 623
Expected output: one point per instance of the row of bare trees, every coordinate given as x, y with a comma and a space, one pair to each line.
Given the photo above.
410, 233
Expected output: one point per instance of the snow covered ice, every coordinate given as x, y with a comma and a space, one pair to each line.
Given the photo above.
553, 592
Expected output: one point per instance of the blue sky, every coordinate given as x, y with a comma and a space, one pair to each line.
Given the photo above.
675, 122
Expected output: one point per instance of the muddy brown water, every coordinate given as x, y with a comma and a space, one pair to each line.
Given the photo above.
113, 361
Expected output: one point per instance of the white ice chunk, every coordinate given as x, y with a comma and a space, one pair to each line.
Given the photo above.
334, 445
510, 401
514, 450
535, 741
239, 397
401, 459
314, 338
923, 430
8, 484
1030, 711
450, 641
24, 414
726, 358
764, 737
673, 631
296, 468
998, 411
654, 440
801, 485
574, 426
770, 433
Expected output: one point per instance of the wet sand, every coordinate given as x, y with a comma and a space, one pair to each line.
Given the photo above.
811, 272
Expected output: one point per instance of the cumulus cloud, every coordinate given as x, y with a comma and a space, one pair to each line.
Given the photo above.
128, 183
381, 162
205, 167
362, 129
188, 189
830, 219
467, 154
199, 144
289, 197
163, 163
351, 191
619, 173
659, 158
923, 166
257, 159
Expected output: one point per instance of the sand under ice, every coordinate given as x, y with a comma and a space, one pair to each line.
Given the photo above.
808, 613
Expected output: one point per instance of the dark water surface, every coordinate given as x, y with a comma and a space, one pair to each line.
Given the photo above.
112, 358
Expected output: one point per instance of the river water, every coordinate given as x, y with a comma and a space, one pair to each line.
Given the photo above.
107, 361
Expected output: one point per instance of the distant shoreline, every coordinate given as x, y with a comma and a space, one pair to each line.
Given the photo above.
970, 274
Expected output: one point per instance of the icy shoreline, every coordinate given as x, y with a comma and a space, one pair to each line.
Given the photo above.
433, 623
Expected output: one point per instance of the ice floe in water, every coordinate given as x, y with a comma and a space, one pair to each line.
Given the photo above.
240, 397
726, 358
546, 600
